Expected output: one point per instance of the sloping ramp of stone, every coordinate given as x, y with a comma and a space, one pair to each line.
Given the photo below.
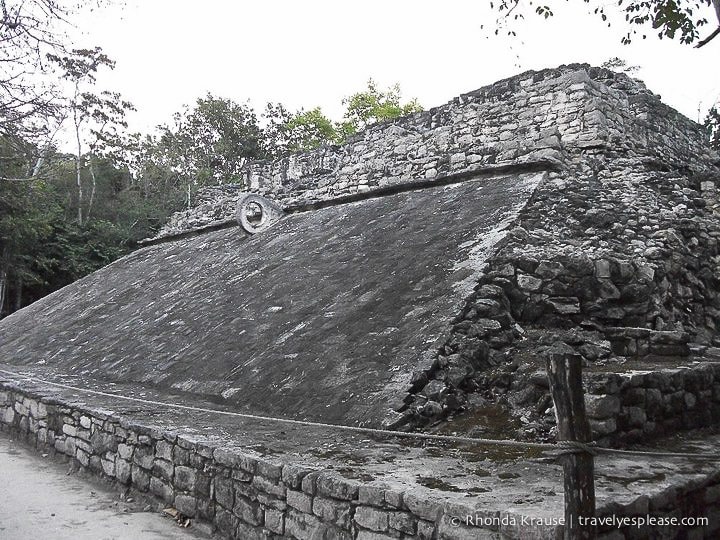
324, 316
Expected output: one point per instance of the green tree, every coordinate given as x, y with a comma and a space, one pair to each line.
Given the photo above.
286, 133
206, 145
374, 105
310, 129
684, 20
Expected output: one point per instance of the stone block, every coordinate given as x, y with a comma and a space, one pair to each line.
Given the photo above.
125, 451
161, 490
163, 469
181, 456
371, 495
564, 305
529, 283
403, 522
143, 456
8, 416
224, 492
186, 504
602, 268
163, 450
22, 410
269, 486
226, 523
248, 511
82, 457
108, 467
633, 416
122, 470
300, 501
604, 427
372, 518
422, 506
275, 521
335, 486
140, 478
103, 442
292, 475
184, 478
394, 498
332, 511
303, 526
425, 530
602, 406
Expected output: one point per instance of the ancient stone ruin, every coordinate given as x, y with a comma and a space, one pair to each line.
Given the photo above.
408, 280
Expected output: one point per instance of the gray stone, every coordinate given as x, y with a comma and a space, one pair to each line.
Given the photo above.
602, 406
275, 521
185, 478
332, 511
163, 469
372, 518
161, 490
337, 487
529, 283
186, 504
300, 501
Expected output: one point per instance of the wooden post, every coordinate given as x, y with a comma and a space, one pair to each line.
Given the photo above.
565, 375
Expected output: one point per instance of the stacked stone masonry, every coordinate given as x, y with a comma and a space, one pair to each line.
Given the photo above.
631, 407
245, 496
535, 116
623, 233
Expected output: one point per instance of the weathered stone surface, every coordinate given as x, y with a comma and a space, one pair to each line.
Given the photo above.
601, 407
371, 293
372, 518
300, 501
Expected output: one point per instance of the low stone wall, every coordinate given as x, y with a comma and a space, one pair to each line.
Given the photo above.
247, 497
243, 496
646, 343
660, 515
631, 407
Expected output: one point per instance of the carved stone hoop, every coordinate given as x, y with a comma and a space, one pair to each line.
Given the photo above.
255, 213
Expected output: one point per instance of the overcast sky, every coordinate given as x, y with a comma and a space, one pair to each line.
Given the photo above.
305, 53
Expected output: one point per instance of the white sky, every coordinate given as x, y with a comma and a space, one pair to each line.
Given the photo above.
305, 53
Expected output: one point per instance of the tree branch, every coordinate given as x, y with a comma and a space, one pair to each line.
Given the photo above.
709, 38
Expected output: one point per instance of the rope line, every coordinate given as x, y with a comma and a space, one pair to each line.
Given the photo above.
559, 448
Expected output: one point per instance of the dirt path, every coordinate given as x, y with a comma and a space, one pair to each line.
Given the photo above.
38, 499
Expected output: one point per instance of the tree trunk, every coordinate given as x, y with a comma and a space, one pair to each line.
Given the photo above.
3, 279
78, 157
3, 290
18, 294
94, 186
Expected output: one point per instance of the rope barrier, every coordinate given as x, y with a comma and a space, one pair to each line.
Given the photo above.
560, 448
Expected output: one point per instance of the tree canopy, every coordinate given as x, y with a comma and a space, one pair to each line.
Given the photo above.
692, 22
